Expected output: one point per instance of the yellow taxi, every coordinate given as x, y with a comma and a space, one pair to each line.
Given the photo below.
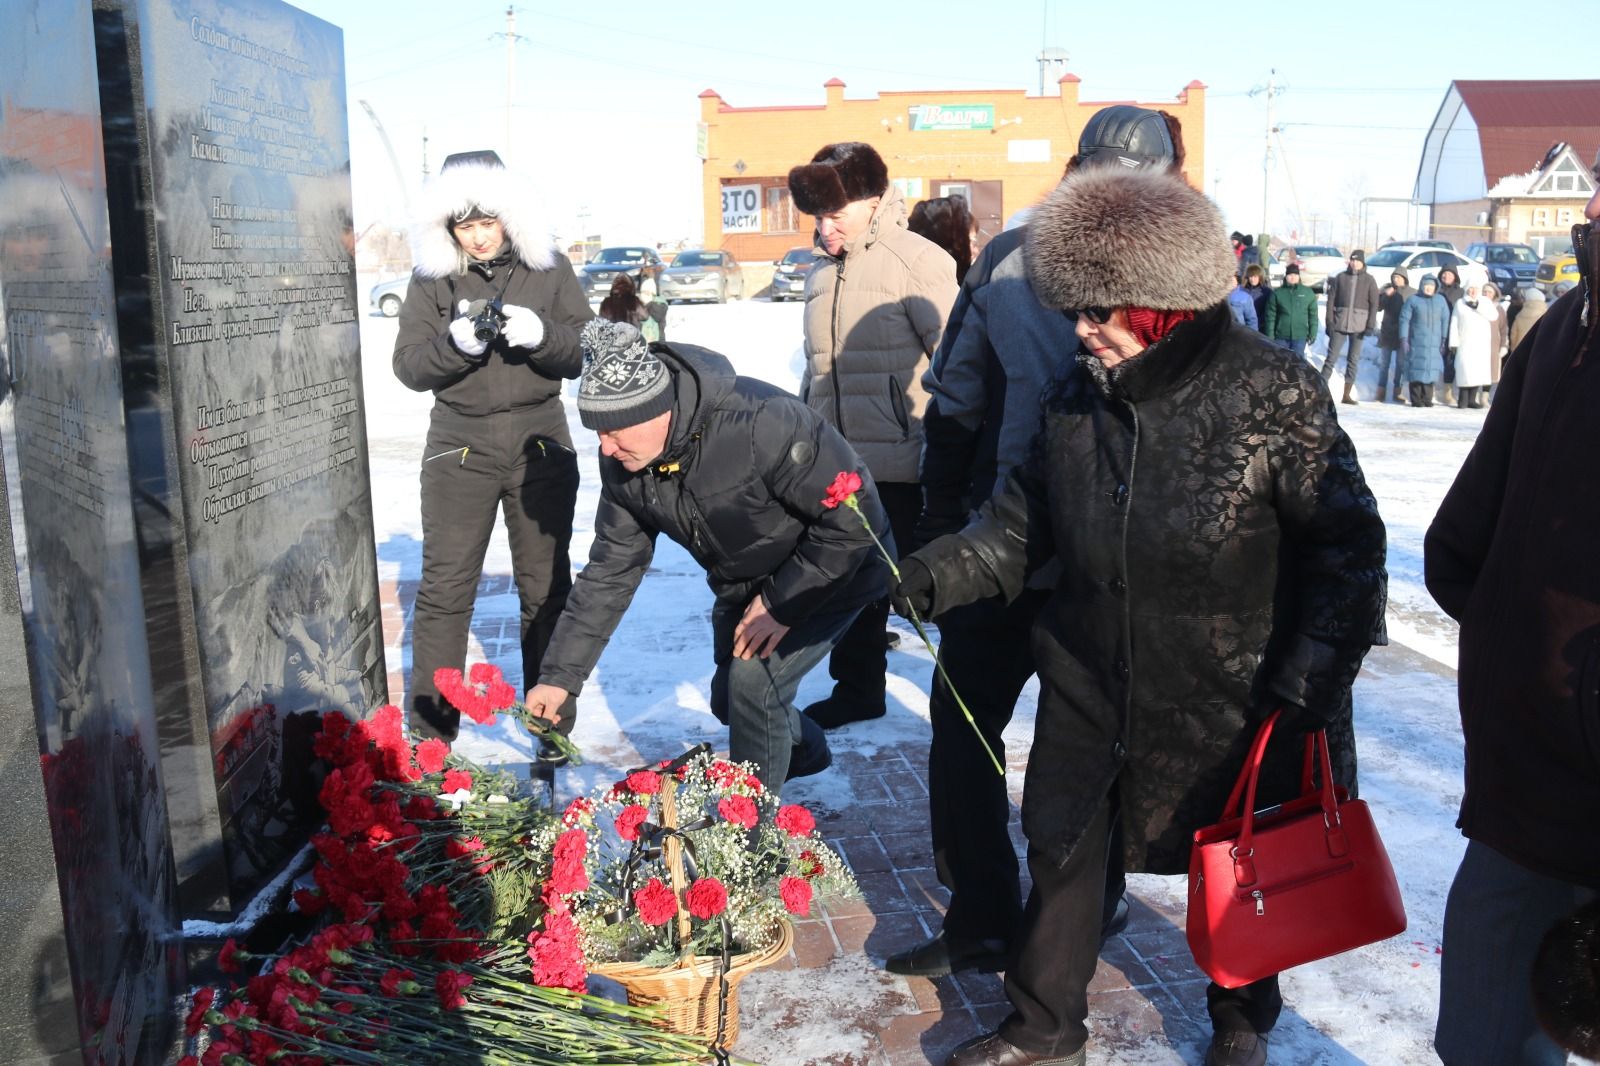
1554, 269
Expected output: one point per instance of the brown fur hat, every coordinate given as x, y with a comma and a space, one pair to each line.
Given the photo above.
836, 175
1110, 237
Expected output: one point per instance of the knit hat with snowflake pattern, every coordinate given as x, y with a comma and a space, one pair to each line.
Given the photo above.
623, 384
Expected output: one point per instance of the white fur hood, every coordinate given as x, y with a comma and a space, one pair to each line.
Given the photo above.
498, 192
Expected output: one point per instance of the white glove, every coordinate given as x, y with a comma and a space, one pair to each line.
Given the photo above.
523, 328
461, 336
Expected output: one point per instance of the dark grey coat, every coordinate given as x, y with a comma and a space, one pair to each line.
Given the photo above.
1221, 554
740, 485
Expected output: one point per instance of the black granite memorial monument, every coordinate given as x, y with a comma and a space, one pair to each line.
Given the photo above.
89, 913
227, 157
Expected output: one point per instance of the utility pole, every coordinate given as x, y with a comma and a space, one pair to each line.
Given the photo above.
1266, 159
511, 68
424, 153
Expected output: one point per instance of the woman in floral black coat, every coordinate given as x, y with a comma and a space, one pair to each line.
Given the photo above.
1222, 557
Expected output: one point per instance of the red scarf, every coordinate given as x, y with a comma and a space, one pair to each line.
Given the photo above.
1150, 326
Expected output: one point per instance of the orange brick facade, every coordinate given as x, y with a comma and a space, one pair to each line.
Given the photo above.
1010, 163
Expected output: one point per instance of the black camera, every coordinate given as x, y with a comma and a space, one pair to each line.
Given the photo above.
487, 319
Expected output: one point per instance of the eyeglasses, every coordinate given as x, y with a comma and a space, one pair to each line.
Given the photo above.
1098, 315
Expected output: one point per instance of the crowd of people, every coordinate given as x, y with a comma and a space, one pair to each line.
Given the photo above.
1440, 341
1097, 465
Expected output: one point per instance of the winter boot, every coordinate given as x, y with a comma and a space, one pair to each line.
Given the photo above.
1348, 385
1237, 1048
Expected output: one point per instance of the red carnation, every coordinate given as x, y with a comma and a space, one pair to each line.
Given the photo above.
741, 810
722, 774
448, 681
753, 783
228, 957
391, 981
655, 902
456, 780
707, 898
796, 895
310, 902
449, 984
557, 953
197, 1014
810, 865
845, 485
577, 810
628, 819
643, 782
795, 820
430, 755
476, 707
566, 870
500, 695
485, 674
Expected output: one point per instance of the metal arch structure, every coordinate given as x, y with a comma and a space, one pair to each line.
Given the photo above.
399, 175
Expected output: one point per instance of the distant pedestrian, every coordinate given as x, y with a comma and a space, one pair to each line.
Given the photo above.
945, 221
623, 305
1424, 330
1352, 316
1258, 285
1292, 312
1511, 556
1472, 335
1499, 348
876, 304
1242, 307
1245, 252
1533, 308
1391, 301
1450, 288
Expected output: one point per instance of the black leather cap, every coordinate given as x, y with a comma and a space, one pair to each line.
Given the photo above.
484, 157
1127, 136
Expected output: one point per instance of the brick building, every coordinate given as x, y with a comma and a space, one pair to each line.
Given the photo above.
1001, 148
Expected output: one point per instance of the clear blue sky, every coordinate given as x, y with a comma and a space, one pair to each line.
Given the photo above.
604, 101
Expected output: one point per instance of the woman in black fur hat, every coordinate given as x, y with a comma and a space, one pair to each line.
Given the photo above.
1221, 557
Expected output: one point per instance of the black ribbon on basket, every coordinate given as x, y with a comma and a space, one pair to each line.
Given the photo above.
647, 847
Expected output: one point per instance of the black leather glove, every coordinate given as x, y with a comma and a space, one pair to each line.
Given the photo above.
912, 595
1294, 721
931, 526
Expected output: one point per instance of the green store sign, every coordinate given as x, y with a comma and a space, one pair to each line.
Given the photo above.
952, 117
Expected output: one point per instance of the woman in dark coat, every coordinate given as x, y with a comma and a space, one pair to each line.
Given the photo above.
1221, 557
1256, 284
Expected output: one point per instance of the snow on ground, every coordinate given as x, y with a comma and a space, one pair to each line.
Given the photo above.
648, 697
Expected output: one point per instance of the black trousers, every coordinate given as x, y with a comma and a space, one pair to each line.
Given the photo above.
987, 651
860, 658
1049, 984
533, 482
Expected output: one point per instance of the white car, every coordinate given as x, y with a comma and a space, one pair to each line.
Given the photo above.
1318, 262
1417, 260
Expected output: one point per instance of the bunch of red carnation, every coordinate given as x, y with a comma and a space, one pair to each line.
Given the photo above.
479, 695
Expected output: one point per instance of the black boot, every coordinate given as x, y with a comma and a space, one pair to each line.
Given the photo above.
812, 755
944, 954
1235, 1047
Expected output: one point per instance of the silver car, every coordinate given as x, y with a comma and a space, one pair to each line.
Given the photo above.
700, 274
387, 296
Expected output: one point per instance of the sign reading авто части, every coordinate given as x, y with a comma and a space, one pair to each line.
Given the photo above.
951, 117
741, 209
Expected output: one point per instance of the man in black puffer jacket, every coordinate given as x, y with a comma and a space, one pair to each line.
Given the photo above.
497, 437
736, 471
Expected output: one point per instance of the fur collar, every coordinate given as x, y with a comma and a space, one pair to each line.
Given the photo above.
499, 192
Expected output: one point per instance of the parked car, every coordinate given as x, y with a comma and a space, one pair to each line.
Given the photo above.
1554, 269
602, 269
387, 296
789, 280
1419, 259
1511, 266
1446, 245
701, 274
1317, 262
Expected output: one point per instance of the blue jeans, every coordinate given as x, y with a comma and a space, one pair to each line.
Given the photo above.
1297, 347
755, 697
1389, 372
1497, 913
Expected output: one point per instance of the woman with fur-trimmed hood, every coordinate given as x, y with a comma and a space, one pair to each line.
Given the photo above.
489, 325
1221, 557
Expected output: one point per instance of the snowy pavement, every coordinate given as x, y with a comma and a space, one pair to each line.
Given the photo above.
830, 1002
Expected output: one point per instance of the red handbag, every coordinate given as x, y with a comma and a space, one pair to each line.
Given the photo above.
1273, 889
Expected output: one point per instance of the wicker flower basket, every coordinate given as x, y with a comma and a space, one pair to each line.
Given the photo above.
687, 991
